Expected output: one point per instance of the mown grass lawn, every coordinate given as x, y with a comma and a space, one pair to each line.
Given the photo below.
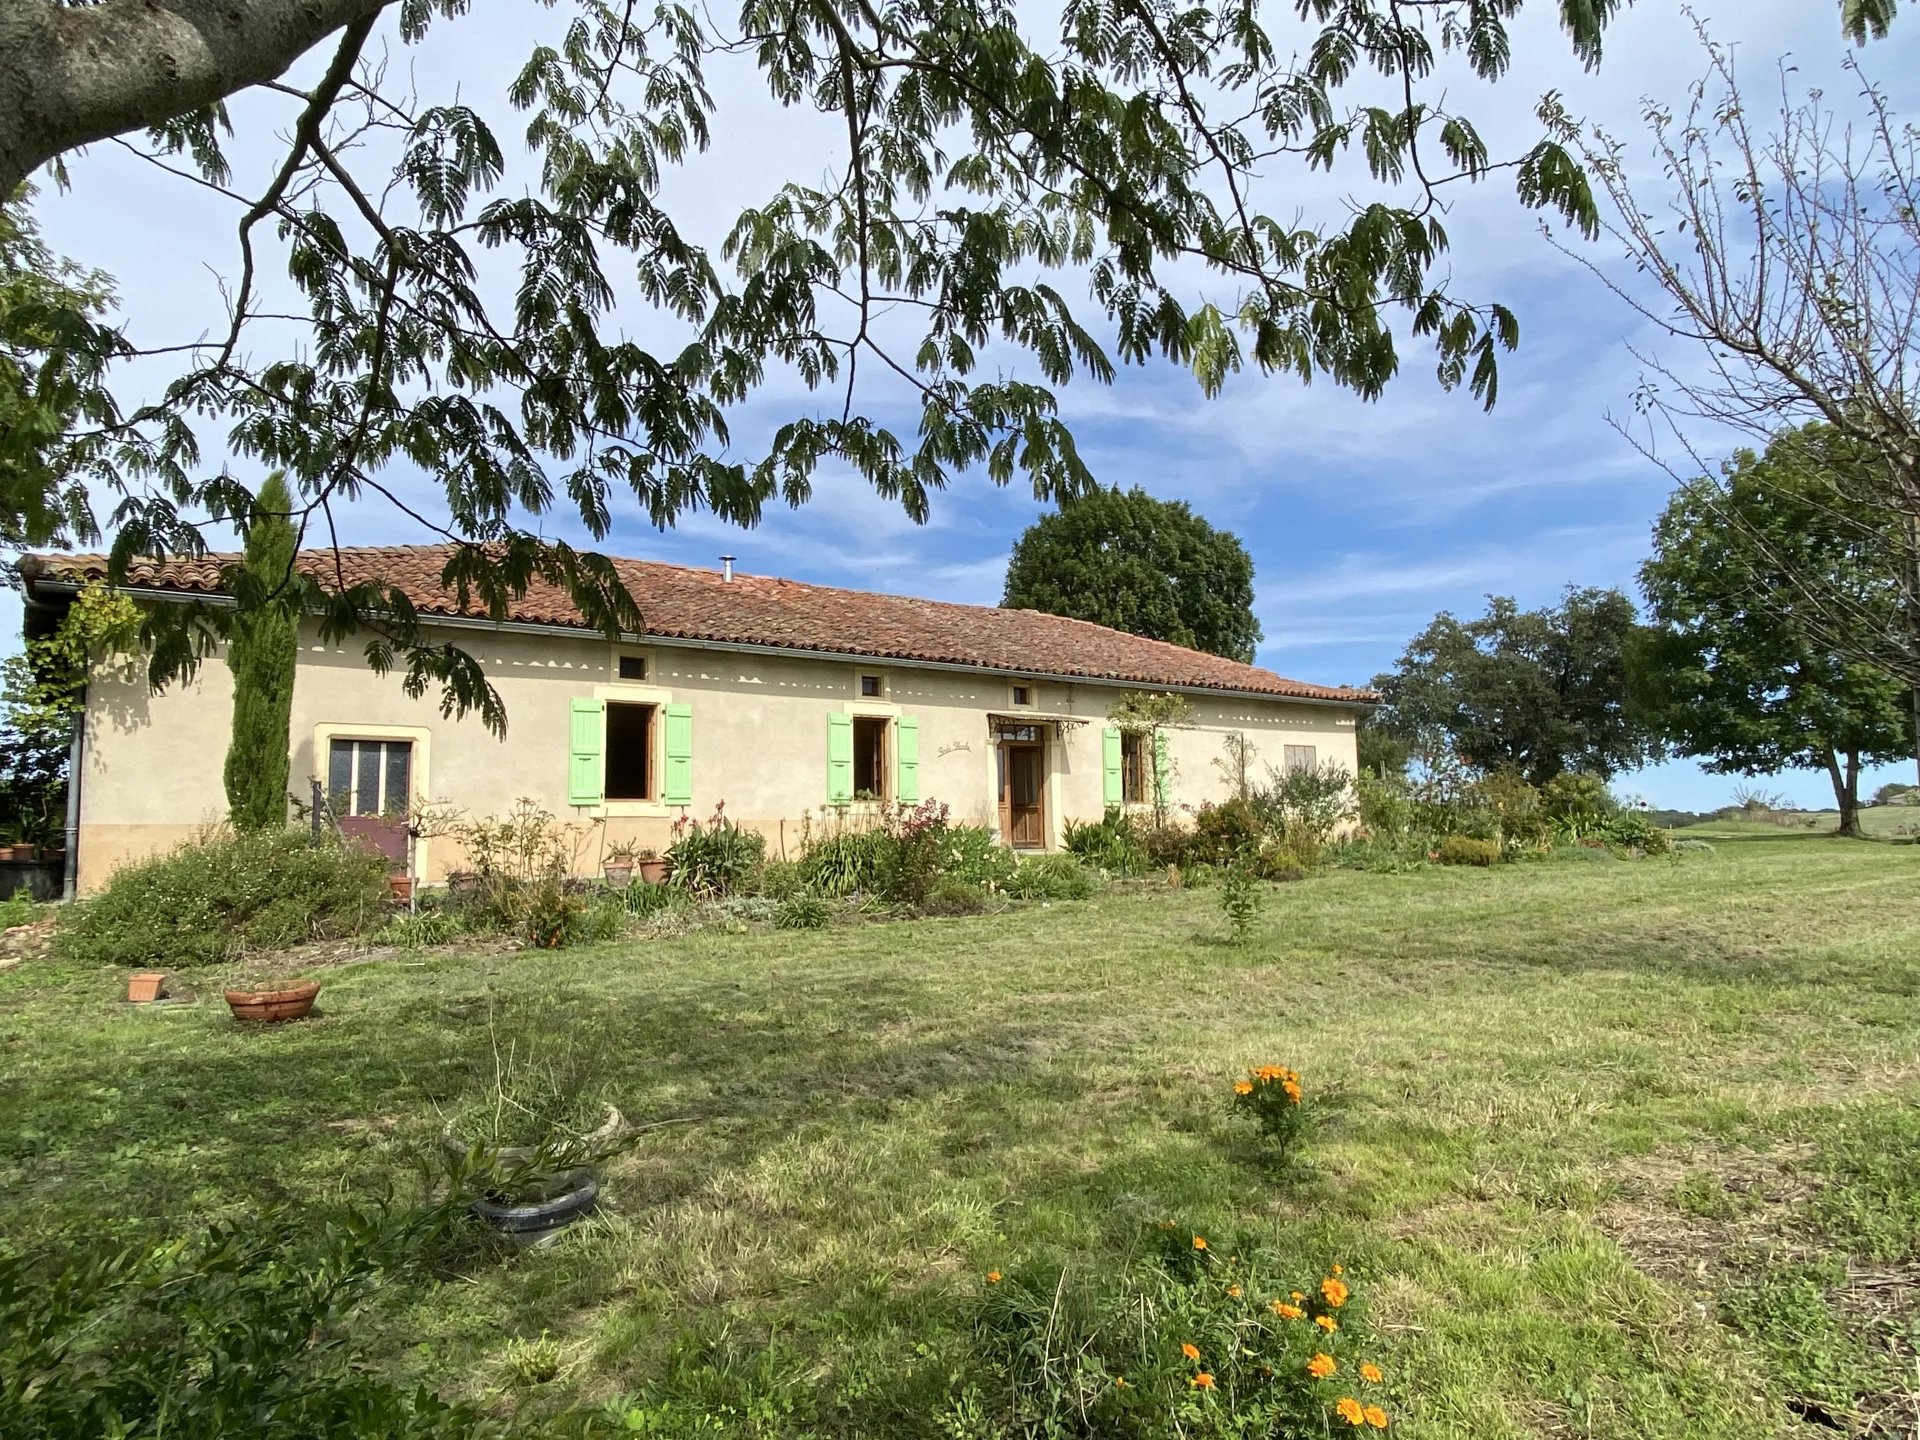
1611, 1149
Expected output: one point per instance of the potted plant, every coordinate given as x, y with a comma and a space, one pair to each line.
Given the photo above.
275, 1001
400, 886
530, 1151
653, 867
618, 867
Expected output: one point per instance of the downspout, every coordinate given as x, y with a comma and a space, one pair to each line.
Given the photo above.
74, 755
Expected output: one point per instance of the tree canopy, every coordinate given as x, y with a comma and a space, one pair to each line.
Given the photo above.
1727, 671
1535, 692
1149, 567
493, 288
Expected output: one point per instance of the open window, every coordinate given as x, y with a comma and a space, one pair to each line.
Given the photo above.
1136, 784
629, 752
870, 757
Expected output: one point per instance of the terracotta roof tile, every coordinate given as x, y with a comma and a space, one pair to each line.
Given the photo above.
682, 603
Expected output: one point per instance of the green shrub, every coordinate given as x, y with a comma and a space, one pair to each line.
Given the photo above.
17, 909
1519, 809
1580, 799
1225, 831
977, 858
1316, 801
714, 859
954, 896
1239, 899
1465, 850
642, 899
1686, 845
1113, 843
1386, 809
411, 932
916, 853
249, 1329
803, 911
1052, 877
845, 862
780, 879
554, 916
223, 894
605, 918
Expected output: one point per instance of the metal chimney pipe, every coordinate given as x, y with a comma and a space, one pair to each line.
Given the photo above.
726, 568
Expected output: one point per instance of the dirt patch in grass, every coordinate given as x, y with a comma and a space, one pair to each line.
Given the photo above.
1735, 1231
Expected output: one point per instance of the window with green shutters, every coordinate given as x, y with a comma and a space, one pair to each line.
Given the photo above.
906, 764
676, 786
839, 759
584, 768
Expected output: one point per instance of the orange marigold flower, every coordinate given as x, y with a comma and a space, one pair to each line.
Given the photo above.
1296, 1297
993, 1277
1350, 1410
1334, 1292
1286, 1311
1233, 1292
1190, 1350
1199, 1242
1292, 1087
1338, 1268
1322, 1365
1326, 1323
1376, 1417
1371, 1373
1202, 1381
1243, 1087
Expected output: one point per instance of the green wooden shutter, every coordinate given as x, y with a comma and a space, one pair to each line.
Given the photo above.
586, 775
1112, 789
677, 786
1162, 770
839, 759
906, 764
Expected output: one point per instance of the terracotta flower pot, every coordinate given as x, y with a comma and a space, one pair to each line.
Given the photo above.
618, 873
401, 887
654, 872
146, 987
288, 1002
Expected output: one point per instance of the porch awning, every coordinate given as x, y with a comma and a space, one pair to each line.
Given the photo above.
1066, 722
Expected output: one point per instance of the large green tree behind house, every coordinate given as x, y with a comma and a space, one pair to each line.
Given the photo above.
1728, 672
1536, 692
502, 285
1149, 567
261, 654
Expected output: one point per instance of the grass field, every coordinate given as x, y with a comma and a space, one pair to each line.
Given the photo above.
1610, 1149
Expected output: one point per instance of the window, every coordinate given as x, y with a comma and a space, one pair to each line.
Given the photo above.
370, 777
1136, 786
870, 687
629, 751
1005, 731
633, 667
1296, 758
1022, 695
870, 757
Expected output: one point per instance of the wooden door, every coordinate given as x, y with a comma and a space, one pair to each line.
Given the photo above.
1023, 788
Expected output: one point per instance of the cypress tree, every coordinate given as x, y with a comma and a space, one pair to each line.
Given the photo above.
261, 655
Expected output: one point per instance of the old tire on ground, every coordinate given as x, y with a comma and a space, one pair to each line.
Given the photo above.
533, 1221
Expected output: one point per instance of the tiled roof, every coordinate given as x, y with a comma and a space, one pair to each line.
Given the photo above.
681, 603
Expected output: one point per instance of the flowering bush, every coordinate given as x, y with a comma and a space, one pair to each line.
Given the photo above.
1216, 1346
1273, 1095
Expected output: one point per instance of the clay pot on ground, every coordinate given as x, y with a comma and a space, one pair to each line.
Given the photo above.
654, 872
400, 887
283, 1002
146, 987
619, 874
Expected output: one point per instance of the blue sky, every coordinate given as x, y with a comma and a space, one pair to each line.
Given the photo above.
1364, 520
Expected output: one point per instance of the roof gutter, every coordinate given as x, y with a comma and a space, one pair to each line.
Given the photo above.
528, 627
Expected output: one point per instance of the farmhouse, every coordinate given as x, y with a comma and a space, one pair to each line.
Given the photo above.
781, 699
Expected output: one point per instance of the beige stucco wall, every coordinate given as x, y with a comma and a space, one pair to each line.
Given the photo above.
152, 769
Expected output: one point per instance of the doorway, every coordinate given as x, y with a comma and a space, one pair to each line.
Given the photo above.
1023, 790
